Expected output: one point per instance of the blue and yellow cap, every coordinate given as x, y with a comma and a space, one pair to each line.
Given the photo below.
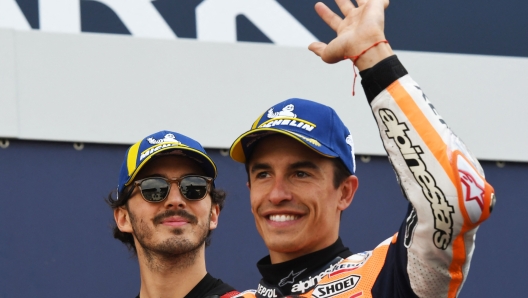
167, 142
311, 123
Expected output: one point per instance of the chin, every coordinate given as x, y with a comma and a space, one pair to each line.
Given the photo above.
283, 245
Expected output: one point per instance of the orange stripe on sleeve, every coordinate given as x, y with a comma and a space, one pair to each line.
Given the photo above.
422, 126
437, 146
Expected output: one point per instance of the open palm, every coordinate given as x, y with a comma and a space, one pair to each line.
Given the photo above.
362, 26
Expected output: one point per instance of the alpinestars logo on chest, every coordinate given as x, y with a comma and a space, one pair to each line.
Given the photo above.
290, 278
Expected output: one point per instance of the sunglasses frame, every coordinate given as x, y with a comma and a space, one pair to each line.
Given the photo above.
178, 180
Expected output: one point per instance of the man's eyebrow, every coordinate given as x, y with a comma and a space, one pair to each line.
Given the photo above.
303, 164
259, 166
154, 175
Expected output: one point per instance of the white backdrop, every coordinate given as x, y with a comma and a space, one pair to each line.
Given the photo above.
114, 89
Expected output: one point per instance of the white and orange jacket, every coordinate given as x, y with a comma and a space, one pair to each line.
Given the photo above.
448, 195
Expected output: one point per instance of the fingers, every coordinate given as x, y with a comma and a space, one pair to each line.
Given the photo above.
345, 6
363, 2
328, 16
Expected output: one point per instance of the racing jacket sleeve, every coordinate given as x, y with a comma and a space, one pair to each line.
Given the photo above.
443, 182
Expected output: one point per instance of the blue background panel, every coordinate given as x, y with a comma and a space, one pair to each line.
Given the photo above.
56, 240
470, 27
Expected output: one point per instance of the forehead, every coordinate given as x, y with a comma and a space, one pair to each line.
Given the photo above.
170, 166
279, 146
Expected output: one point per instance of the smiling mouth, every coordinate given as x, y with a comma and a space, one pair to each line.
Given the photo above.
283, 217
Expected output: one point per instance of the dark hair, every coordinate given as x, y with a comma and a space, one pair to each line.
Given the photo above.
341, 172
217, 197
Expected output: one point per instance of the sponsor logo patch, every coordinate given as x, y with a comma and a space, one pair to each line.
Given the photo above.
286, 117
287, 111
168, 138
472, 189
266, 292
307, 284
350, 264
440, 207
290, 278
336, 287
153, 149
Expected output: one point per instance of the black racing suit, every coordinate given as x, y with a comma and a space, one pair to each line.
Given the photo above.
210, 287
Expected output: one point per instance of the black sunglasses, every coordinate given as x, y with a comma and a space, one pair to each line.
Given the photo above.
156, 189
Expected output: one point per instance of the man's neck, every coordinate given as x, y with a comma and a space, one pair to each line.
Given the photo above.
280, 256
173, 276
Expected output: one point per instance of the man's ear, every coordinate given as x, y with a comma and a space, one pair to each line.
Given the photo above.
348, 189
122, 219
215, 213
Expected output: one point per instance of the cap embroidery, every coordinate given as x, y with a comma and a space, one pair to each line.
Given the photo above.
168, 138
286, 112
153, 149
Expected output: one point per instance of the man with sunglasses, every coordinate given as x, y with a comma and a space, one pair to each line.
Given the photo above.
165, 210
300, 163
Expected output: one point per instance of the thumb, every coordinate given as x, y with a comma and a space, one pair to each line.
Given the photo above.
317, 47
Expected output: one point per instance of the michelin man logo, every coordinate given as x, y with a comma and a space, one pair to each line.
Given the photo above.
287, 111
168, 138
286, 117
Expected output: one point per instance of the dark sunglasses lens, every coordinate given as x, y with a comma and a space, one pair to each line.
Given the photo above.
193, 188
154, 189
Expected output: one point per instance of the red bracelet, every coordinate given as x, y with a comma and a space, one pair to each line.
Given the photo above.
355, 58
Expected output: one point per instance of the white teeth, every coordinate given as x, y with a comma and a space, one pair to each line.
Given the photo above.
283, 217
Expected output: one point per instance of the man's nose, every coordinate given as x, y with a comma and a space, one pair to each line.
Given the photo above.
280, 191
174, 197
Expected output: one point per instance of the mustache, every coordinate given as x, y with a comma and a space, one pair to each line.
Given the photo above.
180, 212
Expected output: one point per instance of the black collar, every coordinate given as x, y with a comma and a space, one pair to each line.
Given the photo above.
284, 275
208, 287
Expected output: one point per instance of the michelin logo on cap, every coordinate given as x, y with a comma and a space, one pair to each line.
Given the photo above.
168, 138
286, 117
286, 112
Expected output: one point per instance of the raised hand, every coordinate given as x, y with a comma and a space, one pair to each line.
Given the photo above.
362, 27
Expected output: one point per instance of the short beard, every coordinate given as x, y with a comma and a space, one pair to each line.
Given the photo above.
173, 253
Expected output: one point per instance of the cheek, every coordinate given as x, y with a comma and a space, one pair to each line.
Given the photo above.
325, 202
139, 209
253, 205
202, 209
255, 198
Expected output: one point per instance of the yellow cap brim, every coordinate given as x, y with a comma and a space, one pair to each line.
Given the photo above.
237, 152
